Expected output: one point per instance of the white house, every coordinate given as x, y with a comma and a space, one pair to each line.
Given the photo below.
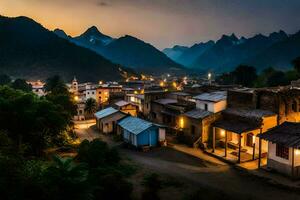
284, 148
213, 102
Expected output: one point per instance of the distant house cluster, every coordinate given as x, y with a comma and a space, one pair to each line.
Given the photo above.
231, 122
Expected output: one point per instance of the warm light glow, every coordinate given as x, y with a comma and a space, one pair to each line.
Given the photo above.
253, 138
100, 82
174, 84
142, 91
222, 132
161, 84
297, 151
209, 76
181, 122
76, 98
135, 92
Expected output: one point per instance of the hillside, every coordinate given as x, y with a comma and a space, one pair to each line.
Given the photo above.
127, 51
30, 51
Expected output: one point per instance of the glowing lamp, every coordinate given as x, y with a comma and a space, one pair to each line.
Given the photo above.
209, 76
297, 151
76, 98
181, 122
253, 139
222, 132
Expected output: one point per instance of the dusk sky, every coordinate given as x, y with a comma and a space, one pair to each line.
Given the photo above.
162, 23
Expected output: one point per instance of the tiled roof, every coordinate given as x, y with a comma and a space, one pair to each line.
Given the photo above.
105, 112
134, 125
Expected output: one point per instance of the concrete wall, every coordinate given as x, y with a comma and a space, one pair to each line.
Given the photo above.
212, 106
105, 125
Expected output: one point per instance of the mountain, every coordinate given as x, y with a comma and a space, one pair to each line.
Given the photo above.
279, 55
190, 55
229, 51
61, 33
30, 51
93, 39
128, 51
187, 55
175, 52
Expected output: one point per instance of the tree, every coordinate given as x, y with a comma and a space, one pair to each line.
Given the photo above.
56, 85
21, 84
4, 79
296, 63
97, 153
244, 75
90, 106
67, 180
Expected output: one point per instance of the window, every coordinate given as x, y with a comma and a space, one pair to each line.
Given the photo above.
282, 151
249, 141
99, 92
154, 115
205, 106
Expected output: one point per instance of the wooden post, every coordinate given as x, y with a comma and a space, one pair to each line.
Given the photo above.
240, 144
214, 139
259, 153
226, 143
253, 156
293, 161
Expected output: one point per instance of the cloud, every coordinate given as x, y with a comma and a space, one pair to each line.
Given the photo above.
102, 3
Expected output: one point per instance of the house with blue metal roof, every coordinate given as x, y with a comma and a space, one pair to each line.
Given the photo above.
139, 132
106, 119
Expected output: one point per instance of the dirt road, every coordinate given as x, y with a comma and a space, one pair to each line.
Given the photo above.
196, 172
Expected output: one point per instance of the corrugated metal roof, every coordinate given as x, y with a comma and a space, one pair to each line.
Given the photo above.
197, 114
122, 103
165, 101
105, 112
134, 125
212, 96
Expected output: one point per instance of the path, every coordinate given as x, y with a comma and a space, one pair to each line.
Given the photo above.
205, 172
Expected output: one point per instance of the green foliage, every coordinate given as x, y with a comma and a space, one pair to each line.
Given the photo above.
20, 84
90, 106
296, 63
97, 153
4, 79
271, 77
242, 75
30, 121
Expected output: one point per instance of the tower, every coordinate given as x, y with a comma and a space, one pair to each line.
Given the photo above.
74, 86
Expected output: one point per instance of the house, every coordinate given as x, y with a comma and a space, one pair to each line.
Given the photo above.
102, 95
235, 133
196, 126
283, 148
127, 107
80, 116
213, 102
139, 133
136, 99
106, 119
37, 87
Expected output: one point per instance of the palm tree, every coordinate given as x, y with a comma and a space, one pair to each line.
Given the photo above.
90, 106
67, 179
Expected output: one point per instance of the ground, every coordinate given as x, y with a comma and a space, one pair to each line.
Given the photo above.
188, 170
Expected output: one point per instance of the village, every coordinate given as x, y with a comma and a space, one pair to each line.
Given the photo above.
254, 130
